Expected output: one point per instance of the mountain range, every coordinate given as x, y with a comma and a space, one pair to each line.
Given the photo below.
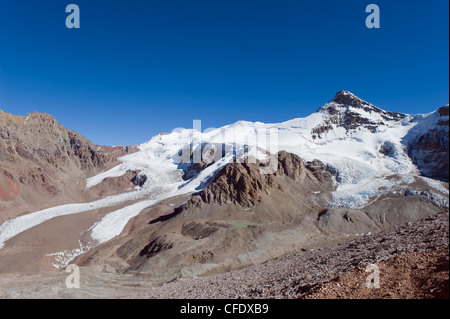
193, 203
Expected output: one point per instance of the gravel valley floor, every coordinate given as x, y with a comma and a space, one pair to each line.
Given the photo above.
413, 262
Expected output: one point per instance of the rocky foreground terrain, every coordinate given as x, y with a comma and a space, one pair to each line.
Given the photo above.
413, 260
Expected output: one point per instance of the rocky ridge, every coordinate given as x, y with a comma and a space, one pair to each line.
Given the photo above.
243, 182
39, 158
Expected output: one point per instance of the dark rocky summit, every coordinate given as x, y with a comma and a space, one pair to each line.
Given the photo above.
344, 111
428, 146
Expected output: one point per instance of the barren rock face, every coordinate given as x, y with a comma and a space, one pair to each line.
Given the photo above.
345, 98
42, 140
38, 156
429, 150
243, 183
240, 183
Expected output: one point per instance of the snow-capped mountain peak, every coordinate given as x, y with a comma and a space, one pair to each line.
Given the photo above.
349, 113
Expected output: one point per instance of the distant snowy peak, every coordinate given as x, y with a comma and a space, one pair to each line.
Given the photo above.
350, 113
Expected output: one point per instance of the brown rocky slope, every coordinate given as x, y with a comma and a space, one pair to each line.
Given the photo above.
43, 164
413, 261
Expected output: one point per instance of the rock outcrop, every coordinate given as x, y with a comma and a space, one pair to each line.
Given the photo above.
243, 183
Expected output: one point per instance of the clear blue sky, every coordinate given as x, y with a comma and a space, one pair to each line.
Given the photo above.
136, 68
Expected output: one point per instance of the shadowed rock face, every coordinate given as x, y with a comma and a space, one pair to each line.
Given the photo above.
194, 160
37, 154
430, 149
